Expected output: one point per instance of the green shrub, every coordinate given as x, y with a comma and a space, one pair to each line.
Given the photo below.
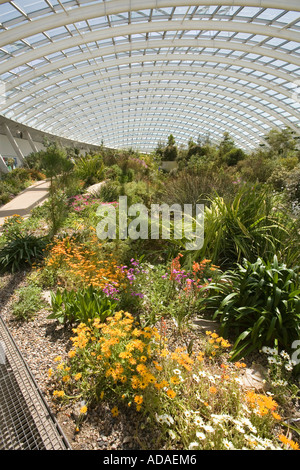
293, 185
110, 191
234, 155
260, 303
5, 197
12, 226
56, 210
248, 227
90, 169
136, 192
21, 252
29, 302
71, 306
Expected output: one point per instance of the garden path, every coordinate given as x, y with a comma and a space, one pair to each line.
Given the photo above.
25, 201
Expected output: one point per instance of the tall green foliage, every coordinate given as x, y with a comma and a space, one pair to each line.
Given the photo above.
81, 306
21, 251
90, 169
246, 227
58, 168
259, 303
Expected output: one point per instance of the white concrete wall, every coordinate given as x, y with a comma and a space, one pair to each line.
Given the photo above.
6, 149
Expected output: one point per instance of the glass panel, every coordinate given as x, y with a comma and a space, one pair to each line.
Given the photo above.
30, 6
270, 14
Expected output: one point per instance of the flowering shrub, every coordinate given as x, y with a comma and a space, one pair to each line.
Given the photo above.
281, 368
111, 359
183, 288
80, 264
81, 202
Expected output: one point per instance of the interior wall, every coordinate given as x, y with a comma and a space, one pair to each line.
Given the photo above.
7, 150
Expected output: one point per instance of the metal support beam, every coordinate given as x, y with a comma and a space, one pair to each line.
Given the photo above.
3, 167
161, 26
14, 145
115, 7
154, 88
31, 143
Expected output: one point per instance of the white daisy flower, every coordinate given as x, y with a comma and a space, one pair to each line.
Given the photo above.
193, 445
228, 444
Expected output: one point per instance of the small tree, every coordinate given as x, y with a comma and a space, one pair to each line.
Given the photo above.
57, 168
170, 152
282, 143
226, 144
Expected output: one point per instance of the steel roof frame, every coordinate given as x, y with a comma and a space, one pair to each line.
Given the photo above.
45, 77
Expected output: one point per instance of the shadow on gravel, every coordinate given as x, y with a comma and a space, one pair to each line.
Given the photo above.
8, 284
56, 332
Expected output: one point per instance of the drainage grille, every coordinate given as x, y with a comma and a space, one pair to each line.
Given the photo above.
26, 422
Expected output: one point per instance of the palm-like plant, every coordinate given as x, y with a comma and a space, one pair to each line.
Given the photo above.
90, 169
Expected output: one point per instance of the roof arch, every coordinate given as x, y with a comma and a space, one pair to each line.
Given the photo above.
211, 65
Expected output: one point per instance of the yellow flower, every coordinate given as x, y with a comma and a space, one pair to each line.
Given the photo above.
78, 376
212, 390
164, 383
164, 353
138, 399
58, 393
239, 365
71, 353
57, 359
200, 356
175, 380
171, 393
83, 409
157, 366
50, 372
115, 411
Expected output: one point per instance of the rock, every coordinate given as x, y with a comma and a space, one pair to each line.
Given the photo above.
95, 188
206, 325
76, 411
47, 296
255, 378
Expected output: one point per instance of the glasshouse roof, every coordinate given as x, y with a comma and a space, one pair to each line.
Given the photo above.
130, 72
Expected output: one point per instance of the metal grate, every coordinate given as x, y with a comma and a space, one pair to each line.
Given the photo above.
26, 422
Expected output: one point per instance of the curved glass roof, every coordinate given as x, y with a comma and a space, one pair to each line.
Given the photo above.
130, 72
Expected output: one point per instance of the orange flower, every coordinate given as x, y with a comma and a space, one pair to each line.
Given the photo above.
288, 442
